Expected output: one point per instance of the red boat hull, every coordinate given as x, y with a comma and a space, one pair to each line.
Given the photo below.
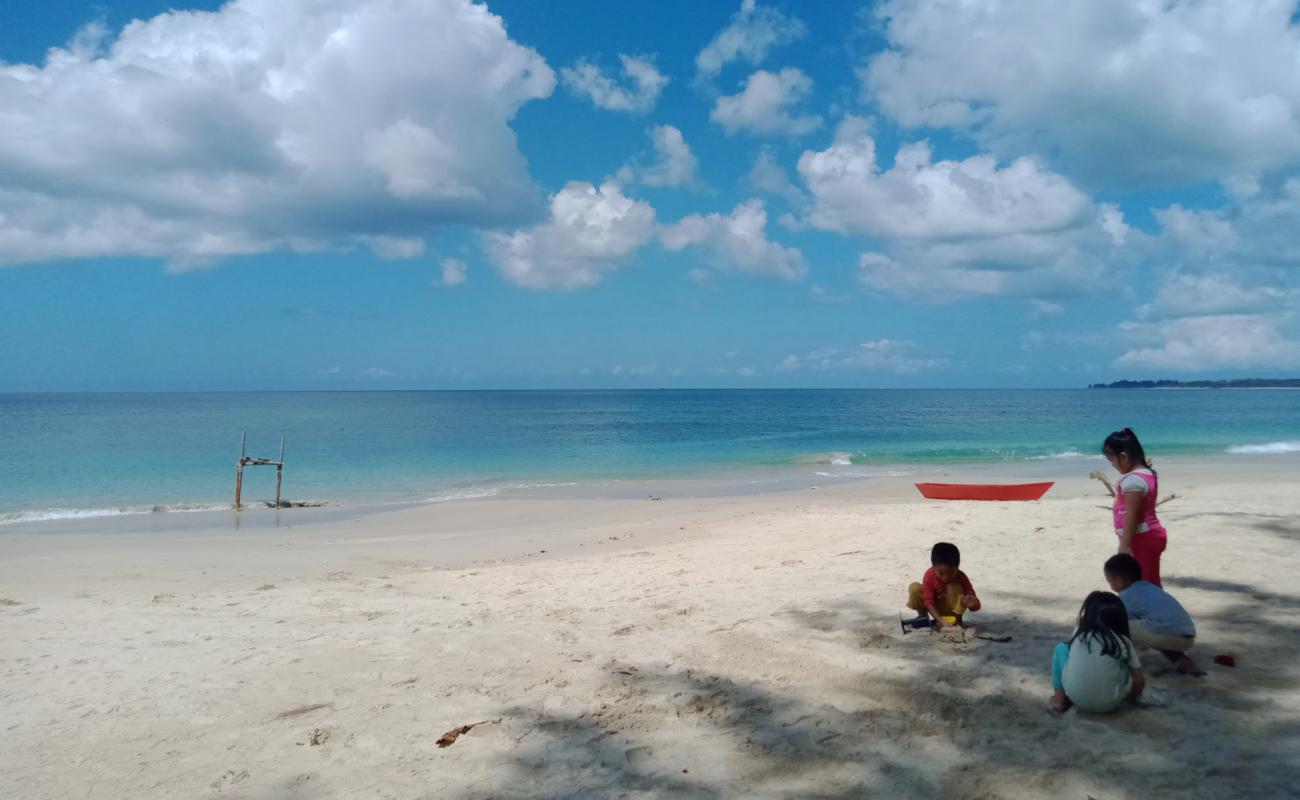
984, 491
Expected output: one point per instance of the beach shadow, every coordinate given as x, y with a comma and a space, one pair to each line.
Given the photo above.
1234, 712
1284, 526
782, 742
882, 730
765, 740
1245, 592
1032, 638
1289, 530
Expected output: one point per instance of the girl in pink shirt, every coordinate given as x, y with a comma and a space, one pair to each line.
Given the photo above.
1139, 530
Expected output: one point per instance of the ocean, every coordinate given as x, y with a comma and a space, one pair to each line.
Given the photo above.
83, 455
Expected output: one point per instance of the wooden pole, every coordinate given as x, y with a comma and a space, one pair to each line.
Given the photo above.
279, 468
239, 469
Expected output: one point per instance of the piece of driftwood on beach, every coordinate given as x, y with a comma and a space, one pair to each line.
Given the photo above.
1098, 476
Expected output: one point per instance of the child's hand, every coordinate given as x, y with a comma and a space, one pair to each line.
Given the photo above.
971, 602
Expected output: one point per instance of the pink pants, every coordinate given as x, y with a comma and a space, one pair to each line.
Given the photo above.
1147, 549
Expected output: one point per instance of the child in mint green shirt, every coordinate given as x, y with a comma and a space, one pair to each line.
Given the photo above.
1098, 669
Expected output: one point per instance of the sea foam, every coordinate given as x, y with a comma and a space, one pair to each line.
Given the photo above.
48, 514
1270, 447
1067, 453
834, 458
864, 473
470, 493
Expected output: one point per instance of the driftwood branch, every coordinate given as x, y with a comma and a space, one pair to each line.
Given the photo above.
1098, 476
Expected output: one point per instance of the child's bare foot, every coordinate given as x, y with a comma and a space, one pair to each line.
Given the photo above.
1188, 667
1060, 702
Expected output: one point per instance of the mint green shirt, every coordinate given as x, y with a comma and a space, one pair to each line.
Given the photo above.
1095, 682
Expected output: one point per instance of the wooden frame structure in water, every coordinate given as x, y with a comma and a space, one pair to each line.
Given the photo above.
246, 460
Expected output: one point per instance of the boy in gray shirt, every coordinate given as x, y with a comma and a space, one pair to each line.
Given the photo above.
1156, 619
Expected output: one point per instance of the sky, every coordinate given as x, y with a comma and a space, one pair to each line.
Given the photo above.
438, 194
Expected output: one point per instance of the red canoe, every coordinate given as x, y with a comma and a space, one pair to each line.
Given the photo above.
984, 491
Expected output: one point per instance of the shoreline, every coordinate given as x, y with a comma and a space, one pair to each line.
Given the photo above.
730, 482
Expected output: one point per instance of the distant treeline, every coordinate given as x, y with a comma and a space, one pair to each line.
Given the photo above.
1241, 383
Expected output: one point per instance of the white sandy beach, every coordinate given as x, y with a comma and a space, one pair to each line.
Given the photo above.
708, 648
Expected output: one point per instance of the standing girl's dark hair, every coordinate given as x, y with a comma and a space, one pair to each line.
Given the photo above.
1126, 442
1104, 618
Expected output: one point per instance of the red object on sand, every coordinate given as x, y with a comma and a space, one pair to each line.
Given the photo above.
984, 491
1226, 660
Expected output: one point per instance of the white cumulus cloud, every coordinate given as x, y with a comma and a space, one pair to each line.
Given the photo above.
1195, 344
1198, 321
265, 126
591, 231
768, 105
1086, 259
883, 273
751, 33
921, 198
1191, 295
1128, 93
1262, 230
1239, 260
637, 95
673, 165
738, 241
945, 229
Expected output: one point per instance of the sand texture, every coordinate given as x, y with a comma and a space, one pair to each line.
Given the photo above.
738, 647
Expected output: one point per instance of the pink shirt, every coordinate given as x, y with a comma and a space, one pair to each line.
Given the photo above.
1149, 523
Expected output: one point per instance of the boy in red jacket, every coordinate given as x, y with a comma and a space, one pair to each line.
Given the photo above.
944, 590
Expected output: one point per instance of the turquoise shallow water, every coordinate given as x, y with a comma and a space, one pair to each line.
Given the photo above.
79, 454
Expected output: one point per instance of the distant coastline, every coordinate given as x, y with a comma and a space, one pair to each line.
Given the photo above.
1240, 383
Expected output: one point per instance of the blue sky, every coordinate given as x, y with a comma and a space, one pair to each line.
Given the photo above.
434, 194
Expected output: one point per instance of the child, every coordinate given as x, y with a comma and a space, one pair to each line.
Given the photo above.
1140, 533
1098, 668
1155, 618
944, 590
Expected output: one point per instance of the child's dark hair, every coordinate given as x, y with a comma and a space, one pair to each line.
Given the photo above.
1124, 566
945, 553
1103, 617
1126, 442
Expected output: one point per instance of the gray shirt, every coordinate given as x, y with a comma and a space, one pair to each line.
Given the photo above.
1157, 610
